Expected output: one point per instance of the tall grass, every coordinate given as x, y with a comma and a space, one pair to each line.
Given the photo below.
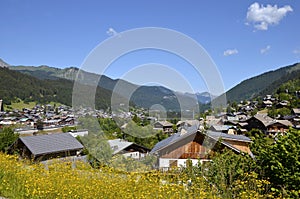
21, 179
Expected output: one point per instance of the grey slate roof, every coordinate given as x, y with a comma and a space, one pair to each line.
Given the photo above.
220, 127
118, 145
226, 136
46, 144
265, 119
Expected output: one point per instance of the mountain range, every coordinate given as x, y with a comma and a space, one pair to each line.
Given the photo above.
146, 96
154, 94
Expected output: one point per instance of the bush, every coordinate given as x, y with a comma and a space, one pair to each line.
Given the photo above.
7, 138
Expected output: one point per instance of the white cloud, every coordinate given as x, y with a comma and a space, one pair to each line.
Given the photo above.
265, 50
263, 16
111, 32
296, 51
230, 52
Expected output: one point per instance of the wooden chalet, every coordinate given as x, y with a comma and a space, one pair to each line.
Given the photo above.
45, 147
279, 126
187, 123
165, 126
219, 128
259, 121
296, 111
268, 125
196, 146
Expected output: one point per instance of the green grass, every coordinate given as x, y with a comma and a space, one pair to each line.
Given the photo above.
263, 111
19, 105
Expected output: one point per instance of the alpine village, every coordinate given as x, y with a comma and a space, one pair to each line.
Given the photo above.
49, 149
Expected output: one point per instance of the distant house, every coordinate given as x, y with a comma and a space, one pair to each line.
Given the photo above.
212, 120
128, 149
259, 121
188, 123
44, 147
67, 121
8, 121
268, 125
196, 146
296, 111
279, 126
220, 128
51, 123
242, 116
282, 104
267, 103
80, 133
27, 121
165, 126
232, 118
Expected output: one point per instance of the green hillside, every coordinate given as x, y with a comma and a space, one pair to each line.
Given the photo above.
263, 84
15, 85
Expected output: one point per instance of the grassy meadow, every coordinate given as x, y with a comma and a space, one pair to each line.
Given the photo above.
22, 179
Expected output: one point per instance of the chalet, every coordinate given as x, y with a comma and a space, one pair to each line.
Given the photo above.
188, 123
128, 149
259, 121
220, 128
242, 116
196, 146
8, 121
279, 126
241, 127
267, 103
296, 111
45, 147
269, 97
232, 118
212, 120
282, 104
68, 121
80, 133
165, 126
247, 108
26, 121
51, 123
268, 125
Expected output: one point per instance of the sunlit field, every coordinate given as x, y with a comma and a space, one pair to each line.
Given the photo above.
20, 179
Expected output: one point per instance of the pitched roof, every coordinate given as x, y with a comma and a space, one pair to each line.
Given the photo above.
165, 123
220, 127
174, 138
296, 110
52, 143
189, 122
283, 122
118, 145
192, 131
264, 118
226, 136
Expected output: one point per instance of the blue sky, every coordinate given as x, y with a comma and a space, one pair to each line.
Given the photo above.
243, 38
